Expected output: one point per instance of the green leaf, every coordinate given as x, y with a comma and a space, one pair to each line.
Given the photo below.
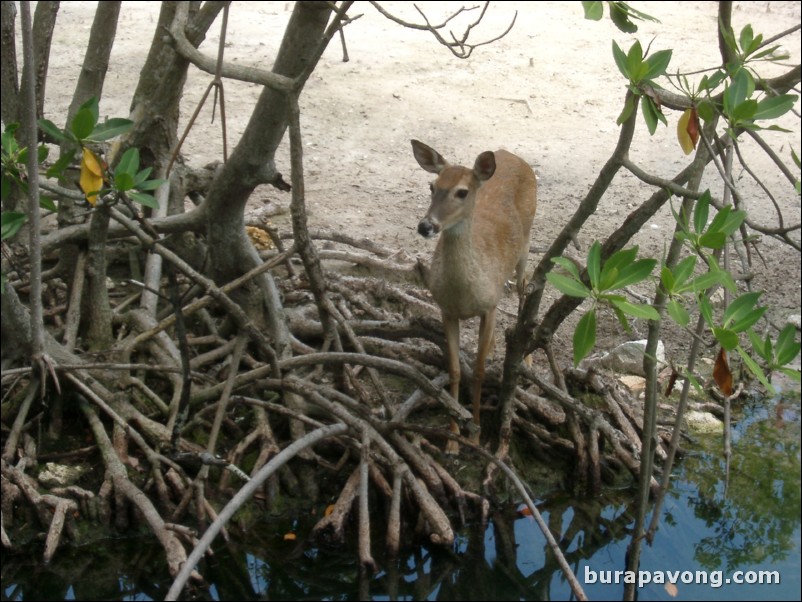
568, 265
11, 222
91, 105
594, 264
749, 319
684, 269
634, 59
781, 54
123, 182
142, 176
622, 319
5, 186
794, 375
148, 200
608, 278
700, 212
45, 202
760, 346
740, 88
150, 184
775, 106
620, 60
594, 11
727, 338
111, 128
82, 124
744, 111
727, 221
713, 240
706, 111
667, 280
620, 18
568, 286
629, 108
643, 311
9, 141
678, 313
53, 131
620, 259
649, 114
634, 273
55, 170
745, 39
755, 369
584, 336
706, 309
129, 163
658, 63
787, 348
740, 307
704, 281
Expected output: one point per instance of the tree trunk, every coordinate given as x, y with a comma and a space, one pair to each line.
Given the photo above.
44, 21
96, 59
155, 107
9, 80
252, 161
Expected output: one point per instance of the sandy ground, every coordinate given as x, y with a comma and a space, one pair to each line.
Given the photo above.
549, 91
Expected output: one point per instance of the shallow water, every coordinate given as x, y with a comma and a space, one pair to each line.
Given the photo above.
714, 532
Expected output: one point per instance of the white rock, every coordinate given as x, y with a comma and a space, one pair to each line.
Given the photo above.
703, 422
60, 475
627, 358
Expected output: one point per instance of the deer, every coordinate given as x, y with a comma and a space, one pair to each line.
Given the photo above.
483, 215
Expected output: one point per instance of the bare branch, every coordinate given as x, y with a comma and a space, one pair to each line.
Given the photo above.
458, 46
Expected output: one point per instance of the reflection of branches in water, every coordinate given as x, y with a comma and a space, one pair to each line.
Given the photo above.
757, 519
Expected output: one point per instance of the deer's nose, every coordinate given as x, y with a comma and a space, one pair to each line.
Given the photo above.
426, 228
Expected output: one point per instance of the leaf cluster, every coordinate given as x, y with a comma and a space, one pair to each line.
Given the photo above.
621, 269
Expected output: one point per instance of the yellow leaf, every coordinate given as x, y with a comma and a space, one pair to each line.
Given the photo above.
290, 537
329, 510
91, 175
688, 131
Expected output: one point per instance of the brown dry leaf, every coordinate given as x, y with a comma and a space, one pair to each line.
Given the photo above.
722, 374
672, 590
329, 509
91, 175
260, 239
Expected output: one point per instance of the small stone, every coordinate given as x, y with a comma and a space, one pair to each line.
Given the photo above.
703, 423
60, 475
635, 384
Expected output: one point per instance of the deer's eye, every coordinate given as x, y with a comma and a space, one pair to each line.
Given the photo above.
461, 194
431, 188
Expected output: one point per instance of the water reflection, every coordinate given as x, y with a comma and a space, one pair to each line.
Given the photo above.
753, 524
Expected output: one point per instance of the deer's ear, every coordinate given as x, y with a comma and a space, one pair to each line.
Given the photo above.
428, 158
485, 166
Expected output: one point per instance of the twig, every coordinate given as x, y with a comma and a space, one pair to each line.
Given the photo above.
365, 558
394, 520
